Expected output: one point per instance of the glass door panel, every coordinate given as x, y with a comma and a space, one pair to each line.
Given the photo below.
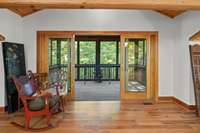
87, 52
85, 60
59, 56
108, 52
134, 66
135, 58
109, 60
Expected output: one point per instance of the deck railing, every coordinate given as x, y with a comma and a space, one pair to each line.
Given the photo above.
108, 72
87, 72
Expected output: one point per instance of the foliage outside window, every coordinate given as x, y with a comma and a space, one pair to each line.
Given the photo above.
58, 51
108, 52
87, 52
139, 50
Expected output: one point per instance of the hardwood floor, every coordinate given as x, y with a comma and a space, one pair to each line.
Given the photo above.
119, 117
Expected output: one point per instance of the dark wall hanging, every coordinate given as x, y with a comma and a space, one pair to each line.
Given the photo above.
195, 64
14, 64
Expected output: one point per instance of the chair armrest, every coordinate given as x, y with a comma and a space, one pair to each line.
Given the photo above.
29, 97
57, 85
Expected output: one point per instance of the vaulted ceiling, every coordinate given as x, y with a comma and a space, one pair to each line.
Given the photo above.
170, 8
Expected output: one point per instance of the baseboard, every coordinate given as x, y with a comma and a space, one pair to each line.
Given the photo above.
177, 101
2, 109
165, 99
190, 107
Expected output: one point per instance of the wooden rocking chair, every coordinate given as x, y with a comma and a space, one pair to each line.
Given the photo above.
35, 102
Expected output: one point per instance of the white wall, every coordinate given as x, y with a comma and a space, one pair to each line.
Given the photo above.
11, 29
106, 20
174, 64
189, 24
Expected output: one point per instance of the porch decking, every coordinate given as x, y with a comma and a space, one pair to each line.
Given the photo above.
93, 91
104, 91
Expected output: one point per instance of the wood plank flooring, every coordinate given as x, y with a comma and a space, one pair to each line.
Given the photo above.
119, 117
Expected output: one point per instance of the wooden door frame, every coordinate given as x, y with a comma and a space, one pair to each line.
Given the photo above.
152, 66
42, 37
42, 54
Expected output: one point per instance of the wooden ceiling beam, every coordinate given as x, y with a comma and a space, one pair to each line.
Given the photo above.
24, 11
170, 13
106, 4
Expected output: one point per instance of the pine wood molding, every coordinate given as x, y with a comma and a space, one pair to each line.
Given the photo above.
42, 55
170, 13
2, 38
177, 101
2, 109
102, 4
170, 8
195, 37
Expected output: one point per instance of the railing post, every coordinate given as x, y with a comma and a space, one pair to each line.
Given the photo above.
85, 74
117, 60
78, 60
109, 71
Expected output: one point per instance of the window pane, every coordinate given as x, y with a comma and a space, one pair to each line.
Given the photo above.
87, 52
64, 51
53, 52
136, 66
108, 52
142, 53
131, 53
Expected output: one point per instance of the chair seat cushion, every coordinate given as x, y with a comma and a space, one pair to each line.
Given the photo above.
39, 103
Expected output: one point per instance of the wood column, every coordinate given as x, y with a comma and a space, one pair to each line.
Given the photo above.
42, 53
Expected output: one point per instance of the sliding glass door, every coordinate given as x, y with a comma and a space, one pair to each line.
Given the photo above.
55, 56
138, 53
138, 66
135, 65
59, 56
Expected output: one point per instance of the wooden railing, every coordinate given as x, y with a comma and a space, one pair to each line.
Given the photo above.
108, 72
87, 72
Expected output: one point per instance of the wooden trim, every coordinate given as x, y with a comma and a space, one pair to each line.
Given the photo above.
2, 38
25, 11
152, 66
156, 61
72, 67
42, 57
102, 4
122, 56
42, 52
42, 47
165, 99
2, 109
171, 13
177, 101
96, 33
195, 37
148, 68
190, 107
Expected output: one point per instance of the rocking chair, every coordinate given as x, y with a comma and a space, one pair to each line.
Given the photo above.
35, 102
